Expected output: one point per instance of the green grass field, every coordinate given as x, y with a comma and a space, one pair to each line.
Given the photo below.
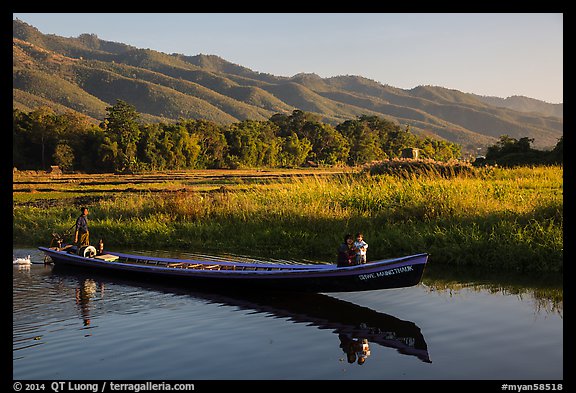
495, 218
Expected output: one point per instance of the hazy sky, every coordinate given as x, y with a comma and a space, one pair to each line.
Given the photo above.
488, 54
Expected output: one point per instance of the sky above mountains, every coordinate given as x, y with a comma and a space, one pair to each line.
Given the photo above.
488, 54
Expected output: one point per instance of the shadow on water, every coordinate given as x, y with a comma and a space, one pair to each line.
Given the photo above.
357, 327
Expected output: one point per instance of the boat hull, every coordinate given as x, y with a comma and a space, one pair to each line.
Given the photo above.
385, 274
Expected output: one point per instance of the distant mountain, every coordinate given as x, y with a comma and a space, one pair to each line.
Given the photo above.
525, 104
87, 74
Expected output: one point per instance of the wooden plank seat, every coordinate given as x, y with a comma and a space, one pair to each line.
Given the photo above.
107, 257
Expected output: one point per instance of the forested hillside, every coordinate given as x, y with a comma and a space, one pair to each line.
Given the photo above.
86, 74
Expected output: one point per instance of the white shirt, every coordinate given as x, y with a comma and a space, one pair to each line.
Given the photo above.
361, 246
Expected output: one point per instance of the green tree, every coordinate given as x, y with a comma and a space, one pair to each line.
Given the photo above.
328, 145
271, 152
75, 130
242, 139
287, 124
523, 144
88, 155
148, 149
505, 145
121, 126
364, 142
109, 153
394, 141
165, 147
253, 143
21, 148
185, 147
211, 141
294, 150
63, 156
42, 130
437, 149
511, 152
557, 154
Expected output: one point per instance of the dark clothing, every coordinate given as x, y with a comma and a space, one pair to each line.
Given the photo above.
347, 345
345, 255
82, 231
82, 224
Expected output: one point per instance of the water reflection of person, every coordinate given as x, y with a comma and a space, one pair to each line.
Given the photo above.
356, 350
83, 295
363, 351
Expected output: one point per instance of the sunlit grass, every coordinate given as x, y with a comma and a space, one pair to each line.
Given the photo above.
509, 219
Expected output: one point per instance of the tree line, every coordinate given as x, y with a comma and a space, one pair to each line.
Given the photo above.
510, 151
122, 143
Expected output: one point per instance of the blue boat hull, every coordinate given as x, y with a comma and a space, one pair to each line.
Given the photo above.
386, 274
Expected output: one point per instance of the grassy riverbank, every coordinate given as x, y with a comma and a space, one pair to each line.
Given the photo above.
501, 219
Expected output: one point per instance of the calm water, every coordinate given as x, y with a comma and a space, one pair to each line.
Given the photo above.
73, 324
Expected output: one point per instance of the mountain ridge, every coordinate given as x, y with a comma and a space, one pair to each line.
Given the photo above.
86, 74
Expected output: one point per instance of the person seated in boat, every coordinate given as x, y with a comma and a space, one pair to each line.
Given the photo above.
346, 252
56, 238
82, 235
360, 246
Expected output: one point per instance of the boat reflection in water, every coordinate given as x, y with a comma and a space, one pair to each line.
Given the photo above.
357, 327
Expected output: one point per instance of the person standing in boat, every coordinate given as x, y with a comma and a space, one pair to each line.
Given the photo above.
82, 235
346, 252
360, 246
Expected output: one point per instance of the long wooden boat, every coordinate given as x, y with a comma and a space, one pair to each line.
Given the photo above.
383, 274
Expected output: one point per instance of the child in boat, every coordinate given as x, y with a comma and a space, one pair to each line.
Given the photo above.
361, 246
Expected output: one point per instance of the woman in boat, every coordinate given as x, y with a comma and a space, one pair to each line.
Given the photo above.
81, 235
346, 252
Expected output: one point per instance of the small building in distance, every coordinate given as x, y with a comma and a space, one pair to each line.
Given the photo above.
54, 170
410, 152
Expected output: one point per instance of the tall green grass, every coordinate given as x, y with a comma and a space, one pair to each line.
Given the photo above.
509, 219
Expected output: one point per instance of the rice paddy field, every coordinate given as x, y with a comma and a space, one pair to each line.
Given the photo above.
500, 219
